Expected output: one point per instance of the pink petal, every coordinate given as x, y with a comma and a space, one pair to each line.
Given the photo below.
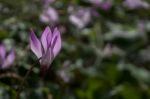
49, 15
9, 60
35, 45
46, 36
56, 42
2, 51
47, 59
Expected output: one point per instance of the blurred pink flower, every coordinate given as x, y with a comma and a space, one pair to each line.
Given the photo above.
49, 15
105, 5
81, 17
6, 60
141, 26
133, 4
47, 48
110, 50
94, 12
64, 72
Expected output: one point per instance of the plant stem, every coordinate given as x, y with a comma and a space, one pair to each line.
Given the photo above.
22, 83
24, 79
11, 75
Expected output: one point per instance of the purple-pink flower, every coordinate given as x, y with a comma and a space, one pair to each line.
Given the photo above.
106, 5
6, 59
103, 4
49, 15
133, 4
47, 48
81, 17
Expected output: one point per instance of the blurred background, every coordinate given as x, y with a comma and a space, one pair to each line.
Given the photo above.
105, 52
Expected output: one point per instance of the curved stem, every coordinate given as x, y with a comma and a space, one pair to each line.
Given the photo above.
22, 83
24, 79
10, 75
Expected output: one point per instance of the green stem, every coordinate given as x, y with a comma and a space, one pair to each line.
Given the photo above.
24, 79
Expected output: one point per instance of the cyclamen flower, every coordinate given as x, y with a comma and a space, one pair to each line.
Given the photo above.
103, 4
106, 5
80, 18
6, 60
47, 48
133, 4
49, 15
64, 72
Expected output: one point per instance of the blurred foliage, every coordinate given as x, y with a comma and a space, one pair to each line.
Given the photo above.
107, 59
